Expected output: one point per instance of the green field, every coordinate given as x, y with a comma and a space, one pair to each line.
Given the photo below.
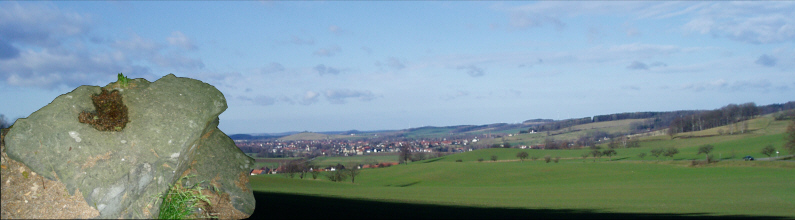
625, 184
378, 157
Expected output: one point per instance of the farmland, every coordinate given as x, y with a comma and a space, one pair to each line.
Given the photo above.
624, 185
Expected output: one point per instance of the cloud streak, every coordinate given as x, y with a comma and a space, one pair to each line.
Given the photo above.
340, 96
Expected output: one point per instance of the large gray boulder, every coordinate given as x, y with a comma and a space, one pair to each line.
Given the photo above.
172, 132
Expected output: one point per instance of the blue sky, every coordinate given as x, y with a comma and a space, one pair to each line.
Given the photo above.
329, 66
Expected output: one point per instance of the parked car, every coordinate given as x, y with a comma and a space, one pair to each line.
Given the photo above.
747, 158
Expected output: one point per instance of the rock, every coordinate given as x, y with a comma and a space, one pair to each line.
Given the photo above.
171, 132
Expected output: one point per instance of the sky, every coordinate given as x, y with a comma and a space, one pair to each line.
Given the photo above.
336, 65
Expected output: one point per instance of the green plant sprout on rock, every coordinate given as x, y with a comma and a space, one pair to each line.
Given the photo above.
123, 80
179, 202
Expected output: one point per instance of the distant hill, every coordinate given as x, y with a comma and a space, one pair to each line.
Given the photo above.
624, 123
253, 137
311, 136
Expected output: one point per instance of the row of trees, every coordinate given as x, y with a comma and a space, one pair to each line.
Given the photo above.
303, 168
730, 114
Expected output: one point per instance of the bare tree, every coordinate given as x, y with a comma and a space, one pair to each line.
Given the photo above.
657, 152
405, 153
419, 156
769, 150
585, 156
609, 153
670, 152
338, 175
705, 150
790, 144
596, 154
522, 155
352, 171
4, 122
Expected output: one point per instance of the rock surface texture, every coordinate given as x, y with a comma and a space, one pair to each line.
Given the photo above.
172, 132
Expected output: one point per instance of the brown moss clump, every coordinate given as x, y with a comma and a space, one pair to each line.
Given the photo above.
111, 113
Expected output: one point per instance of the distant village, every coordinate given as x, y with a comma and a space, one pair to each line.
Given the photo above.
341, 147
271, 148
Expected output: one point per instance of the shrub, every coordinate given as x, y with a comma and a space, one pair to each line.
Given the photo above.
459, 160
547, 158
179, 202
557, 159
493, 157
480, 159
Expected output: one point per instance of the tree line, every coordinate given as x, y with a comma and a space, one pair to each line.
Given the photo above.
680, 121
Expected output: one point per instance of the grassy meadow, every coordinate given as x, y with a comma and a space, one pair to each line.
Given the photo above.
624, 185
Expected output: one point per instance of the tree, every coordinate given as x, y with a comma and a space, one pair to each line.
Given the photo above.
769, 150
405, 153
522, 155
352, 171
633, 143
557, 158
613, 143
642, 155
657, 152
338, 175
790, 144
291, 168
547, 158
493, 157
609, 153
418, 156
705, 150
4, 122
370, 161
670, 152
596, 154
585, 156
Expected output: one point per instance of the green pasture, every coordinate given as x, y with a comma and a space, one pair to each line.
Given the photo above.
625, 187
361, 159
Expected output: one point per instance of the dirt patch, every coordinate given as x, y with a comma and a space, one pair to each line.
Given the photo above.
110, 114
28, 195
221, 207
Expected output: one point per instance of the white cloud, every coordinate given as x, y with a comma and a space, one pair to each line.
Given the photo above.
272, 67
750, 22
327, 52
637, 65
472, 70
179, 39
392, 62
339, 96
310, 97
766, 60
323, 70
301, 41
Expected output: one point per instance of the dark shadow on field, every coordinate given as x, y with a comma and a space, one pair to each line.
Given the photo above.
619, 158
291, 206
432, 160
